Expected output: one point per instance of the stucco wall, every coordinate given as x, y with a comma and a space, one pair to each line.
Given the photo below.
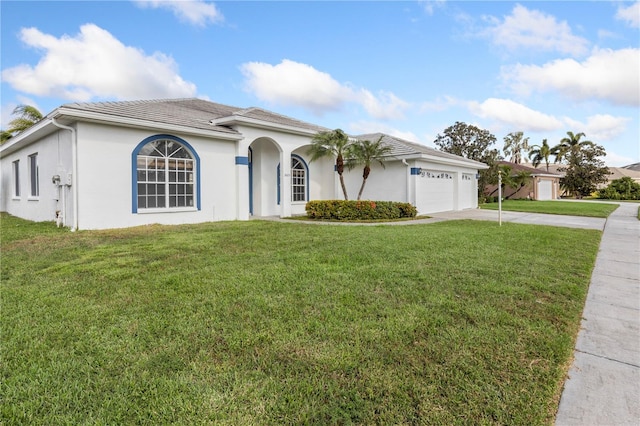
54, 158
105, 179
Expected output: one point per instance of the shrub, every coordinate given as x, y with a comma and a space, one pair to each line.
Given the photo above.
359, 210
621, 189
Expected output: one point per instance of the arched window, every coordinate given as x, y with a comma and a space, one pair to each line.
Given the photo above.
298, 179
166, 175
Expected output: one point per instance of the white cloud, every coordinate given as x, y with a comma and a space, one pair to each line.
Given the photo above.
607, 74
95, 64
630, 14
196, 12
294, 83
600, 127
430, 6
514, 116
532, 29
613, 159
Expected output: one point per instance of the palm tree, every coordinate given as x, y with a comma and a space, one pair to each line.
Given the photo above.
334, 143
27, 116
514, 144
364, 152
540, 153
518, 181
505, 172
569, 147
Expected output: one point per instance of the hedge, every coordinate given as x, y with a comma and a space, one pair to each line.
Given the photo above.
359, 210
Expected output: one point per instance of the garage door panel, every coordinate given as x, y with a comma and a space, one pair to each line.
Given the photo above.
437, 191
545, 190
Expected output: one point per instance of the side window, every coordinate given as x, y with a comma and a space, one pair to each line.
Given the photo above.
34, 184
16, 178
298, 179
166, 175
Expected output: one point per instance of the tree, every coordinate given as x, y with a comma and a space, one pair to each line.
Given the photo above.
540, 153
514, 144
334, 143
624, 188
584, 169
518, 181
364, 152
569, 146
473, 143
27, 116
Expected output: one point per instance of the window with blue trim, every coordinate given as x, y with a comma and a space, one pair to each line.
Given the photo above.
298, 180
166, 175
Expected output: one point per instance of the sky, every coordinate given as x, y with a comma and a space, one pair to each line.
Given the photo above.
410, 69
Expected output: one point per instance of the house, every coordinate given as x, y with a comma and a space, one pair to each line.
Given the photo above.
119, 164
543, 185
614, 173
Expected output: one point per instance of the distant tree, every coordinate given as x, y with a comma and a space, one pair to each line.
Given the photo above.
540, 153
27, 116
334, 144
502, 175
514, 144
519, 181
569, 146
624, 188
584, 169
470, 142
364, 152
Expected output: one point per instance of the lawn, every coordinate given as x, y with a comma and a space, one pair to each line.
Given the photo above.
246, 323
571, 208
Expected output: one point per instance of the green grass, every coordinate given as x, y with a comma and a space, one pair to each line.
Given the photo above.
459, 322
571, 208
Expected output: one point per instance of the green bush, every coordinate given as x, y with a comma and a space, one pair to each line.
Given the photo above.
359, 210
621, 189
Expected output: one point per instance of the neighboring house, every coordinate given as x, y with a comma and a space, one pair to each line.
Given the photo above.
543, 185
634, 166
615, 173
119, 164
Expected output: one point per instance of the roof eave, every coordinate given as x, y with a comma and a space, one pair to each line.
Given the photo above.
261, 124
76, 115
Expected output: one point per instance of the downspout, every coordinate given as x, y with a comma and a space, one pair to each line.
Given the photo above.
408, 174
74, 172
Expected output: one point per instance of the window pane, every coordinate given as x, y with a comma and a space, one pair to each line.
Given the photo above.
160, 164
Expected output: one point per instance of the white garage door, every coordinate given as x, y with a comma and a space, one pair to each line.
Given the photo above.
436, 192
545, 190
468, 192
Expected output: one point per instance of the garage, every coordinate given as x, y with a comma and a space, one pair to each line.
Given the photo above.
435, 191
468, 192
545, 190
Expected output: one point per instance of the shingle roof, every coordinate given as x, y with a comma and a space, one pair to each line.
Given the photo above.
272, 117
524, 168
401, 147
191, 112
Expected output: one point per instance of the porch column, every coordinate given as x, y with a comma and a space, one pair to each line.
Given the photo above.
242, 180
285, 183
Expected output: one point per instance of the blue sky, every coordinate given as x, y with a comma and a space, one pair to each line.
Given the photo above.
406, 68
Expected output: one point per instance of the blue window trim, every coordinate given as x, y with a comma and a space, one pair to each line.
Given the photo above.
134, 168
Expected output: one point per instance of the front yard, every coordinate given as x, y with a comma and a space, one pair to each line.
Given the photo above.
460, 322
571, 208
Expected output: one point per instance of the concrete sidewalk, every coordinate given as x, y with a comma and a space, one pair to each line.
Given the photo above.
528, 218
603, 386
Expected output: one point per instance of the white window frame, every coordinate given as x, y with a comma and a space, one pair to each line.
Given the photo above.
298, 181
16, 179
34, 177
166, 183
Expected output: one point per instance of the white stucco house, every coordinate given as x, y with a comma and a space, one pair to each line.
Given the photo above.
120, 164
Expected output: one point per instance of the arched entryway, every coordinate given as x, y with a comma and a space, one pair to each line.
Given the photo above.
264, 157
